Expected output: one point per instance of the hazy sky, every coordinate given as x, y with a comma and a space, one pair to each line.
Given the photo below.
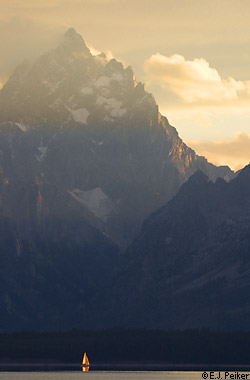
193, 55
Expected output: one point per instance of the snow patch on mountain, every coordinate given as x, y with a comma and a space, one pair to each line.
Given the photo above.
105, 81
97, 142
95, 200
22, 126
52, 86
80, 115
112, 105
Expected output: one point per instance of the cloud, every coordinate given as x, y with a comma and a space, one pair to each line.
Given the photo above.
194, 81
28, 28
93, 50
31, 4
108, 53
234, 151
24, 38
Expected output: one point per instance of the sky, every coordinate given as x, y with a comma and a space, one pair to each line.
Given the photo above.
193, 55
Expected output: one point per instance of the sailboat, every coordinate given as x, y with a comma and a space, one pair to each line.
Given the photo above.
85, 363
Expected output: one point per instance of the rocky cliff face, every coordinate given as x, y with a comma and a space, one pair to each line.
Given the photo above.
189, 266
85, 156
82, 125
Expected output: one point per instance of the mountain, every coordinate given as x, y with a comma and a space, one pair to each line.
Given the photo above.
190, 264
82, 124
85, 157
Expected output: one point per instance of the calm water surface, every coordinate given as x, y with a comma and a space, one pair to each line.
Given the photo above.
101, 375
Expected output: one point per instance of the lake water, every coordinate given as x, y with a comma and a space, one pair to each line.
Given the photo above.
101, 375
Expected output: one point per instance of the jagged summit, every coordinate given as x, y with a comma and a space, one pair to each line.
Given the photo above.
191, 260
72, 34
69, 84
74, 42
245, 171
242, 180
197, 180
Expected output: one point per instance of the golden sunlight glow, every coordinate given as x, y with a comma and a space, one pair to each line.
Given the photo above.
199, 64
85, 363
193, 80
85, 369
232, 151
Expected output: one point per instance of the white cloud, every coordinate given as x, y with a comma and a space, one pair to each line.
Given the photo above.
108, 53
194, 81
93, 50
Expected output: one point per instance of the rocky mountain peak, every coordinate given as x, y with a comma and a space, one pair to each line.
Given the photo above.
73, 41
220, 182
68, 84
196, 182
198, 178
241, 184
113, 66
245, 172
195, 257
72, 34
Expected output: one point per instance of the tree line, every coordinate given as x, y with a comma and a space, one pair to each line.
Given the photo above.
122, 346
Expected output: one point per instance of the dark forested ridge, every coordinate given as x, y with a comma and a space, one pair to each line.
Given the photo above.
190, 265
127, 346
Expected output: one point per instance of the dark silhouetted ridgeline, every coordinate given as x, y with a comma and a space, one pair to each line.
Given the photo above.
127, 346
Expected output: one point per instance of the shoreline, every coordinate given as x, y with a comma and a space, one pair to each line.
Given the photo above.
121, 367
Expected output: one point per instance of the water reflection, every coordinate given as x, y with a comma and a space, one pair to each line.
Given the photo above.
85, 369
